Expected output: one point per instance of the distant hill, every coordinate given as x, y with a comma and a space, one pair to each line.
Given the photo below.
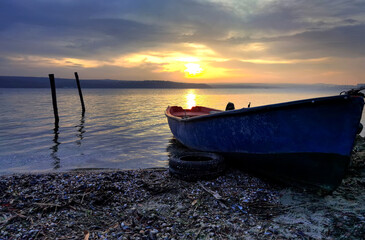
319, 86
43, 82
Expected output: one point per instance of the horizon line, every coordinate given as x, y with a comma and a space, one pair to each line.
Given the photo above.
215, 83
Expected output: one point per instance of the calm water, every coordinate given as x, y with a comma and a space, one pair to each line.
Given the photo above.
122, 128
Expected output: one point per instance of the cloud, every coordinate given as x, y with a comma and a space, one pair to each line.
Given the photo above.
100, 36
344, 42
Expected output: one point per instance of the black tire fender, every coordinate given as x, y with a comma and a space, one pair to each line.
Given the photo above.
194, 166
359, 129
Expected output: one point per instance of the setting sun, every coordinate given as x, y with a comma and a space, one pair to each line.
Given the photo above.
193, 69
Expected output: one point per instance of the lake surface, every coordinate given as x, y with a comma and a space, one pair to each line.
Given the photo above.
121, 128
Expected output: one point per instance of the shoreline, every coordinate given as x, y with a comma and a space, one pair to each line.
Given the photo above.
150, 204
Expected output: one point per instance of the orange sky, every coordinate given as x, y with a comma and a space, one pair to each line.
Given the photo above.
212, 41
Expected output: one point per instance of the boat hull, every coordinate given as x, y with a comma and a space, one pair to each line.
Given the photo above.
300, 140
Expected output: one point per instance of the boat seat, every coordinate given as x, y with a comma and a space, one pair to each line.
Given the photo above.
212, 112
189, 114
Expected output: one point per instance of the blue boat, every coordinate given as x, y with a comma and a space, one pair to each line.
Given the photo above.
308, 140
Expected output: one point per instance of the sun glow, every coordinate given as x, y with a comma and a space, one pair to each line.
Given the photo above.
190, 99
193, 69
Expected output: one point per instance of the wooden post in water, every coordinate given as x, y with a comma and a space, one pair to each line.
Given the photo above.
54, 99
80, 92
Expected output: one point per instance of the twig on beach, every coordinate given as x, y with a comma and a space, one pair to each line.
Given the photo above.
87, 235
48, 204
115, 225
82, 199
16, 215
38, 232
214, 194
197, 235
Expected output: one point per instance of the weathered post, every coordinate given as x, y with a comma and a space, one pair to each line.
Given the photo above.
54, 148
54, 99
80, 92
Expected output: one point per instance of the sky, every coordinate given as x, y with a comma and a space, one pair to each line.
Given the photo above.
210, 41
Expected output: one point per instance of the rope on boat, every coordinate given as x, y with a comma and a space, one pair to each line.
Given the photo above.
354, 91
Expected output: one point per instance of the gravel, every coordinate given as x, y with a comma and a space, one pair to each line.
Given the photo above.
150, 204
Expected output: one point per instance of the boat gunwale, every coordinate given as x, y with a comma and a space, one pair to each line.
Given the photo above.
263, 108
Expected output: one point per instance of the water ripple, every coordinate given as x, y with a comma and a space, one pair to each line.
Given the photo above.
121, 128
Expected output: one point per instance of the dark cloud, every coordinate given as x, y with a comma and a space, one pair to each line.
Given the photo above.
341, 42
65, 29
79, 28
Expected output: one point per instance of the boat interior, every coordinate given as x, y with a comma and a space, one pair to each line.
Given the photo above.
193, 112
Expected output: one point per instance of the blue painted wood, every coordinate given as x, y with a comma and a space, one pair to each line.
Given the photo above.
308, 127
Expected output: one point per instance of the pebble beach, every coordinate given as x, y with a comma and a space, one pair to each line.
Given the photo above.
151, 204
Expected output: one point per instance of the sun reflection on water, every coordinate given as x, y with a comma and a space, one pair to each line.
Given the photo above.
190, 99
